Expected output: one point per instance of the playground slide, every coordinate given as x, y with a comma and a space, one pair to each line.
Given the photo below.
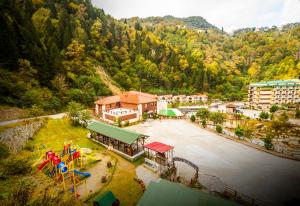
44, 163
85, 174
36, 162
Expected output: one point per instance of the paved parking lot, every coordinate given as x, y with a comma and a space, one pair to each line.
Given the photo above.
225, 162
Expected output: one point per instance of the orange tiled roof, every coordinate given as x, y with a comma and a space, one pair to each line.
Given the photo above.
135, 97
108, 100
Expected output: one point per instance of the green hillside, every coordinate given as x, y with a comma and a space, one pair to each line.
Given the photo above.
50, 49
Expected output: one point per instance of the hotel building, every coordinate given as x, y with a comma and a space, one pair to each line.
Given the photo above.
262, 95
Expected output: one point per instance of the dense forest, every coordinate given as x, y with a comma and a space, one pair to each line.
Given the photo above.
49, 50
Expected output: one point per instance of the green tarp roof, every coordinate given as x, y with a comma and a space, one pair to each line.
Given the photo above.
289, 82
170, 112
105, 199
117, 133
165, 193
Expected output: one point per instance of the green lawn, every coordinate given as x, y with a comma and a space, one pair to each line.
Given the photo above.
57, 132
122, 184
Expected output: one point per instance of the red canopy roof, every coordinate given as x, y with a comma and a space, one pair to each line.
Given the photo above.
158, 147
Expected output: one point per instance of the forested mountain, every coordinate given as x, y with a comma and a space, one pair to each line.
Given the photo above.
192, 22
49, 50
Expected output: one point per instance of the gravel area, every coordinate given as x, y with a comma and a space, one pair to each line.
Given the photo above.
223, 162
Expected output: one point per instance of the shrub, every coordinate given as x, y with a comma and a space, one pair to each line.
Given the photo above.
36, 111
118, 122
217, 117
203, 113
145, 116
4, 151
109, 164
297, 115
20, 195
77, 114
126, 123
268, 143
15, 166
203, 122
219, 128
239, 132
193, 118
264, 115
274, 108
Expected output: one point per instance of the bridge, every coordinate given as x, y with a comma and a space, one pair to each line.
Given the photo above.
191, 164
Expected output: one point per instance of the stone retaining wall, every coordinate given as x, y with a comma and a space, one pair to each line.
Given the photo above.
15, 138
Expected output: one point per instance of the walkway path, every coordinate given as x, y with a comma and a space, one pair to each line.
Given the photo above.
53, 116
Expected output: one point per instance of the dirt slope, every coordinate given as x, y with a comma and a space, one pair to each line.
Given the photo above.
107, 80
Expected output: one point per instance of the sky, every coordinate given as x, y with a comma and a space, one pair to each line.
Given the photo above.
229, 14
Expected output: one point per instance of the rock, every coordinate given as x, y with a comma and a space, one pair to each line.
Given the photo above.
293, 142
258, 142
86, 150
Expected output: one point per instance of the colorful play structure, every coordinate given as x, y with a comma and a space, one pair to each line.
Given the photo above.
61, 167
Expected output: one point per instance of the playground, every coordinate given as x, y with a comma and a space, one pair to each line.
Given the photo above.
69, 168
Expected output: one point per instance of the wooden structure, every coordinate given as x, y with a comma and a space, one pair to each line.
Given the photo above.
159, 155
127, 143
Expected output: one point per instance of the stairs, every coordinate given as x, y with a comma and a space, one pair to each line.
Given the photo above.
107, 80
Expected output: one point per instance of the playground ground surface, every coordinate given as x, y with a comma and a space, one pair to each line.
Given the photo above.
53, 135
223, 162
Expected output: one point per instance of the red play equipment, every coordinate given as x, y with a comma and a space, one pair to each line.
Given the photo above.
59, 166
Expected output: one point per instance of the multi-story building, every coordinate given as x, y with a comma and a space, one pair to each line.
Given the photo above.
184, 98
263, 95
126, 106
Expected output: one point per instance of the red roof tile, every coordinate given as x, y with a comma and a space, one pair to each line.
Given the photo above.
159, 147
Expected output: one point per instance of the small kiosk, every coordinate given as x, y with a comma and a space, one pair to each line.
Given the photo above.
158, 156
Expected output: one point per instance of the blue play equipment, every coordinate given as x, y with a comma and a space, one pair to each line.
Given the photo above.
85, 174
62, 167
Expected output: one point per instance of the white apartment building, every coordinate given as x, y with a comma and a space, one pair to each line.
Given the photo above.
263, 95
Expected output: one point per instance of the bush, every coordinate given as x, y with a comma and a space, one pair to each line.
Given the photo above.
297, 113
203, 122
77, 114
268, 143
118, 122
15, 166
264, 115
126, 123
239, 132
36, 111
217, 117
109, 164
193, 118
274, 108
145, 116
219, 128
4, 151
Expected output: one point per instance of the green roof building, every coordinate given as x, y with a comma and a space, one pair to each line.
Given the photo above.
262, 95
166, 193
125, 142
